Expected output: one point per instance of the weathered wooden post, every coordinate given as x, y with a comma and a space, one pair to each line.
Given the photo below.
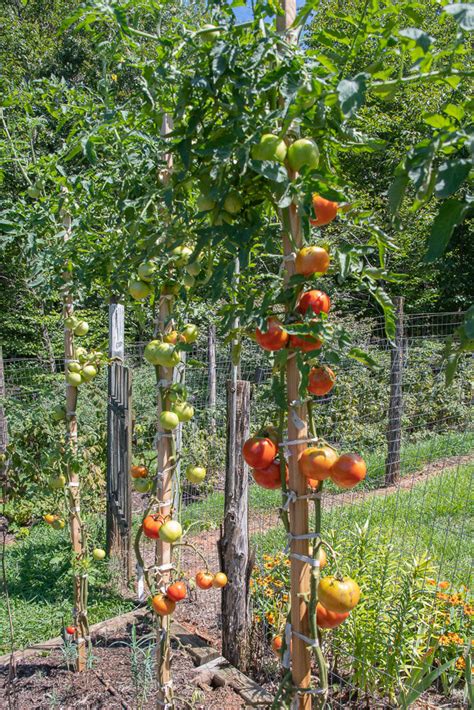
395, 409
119, 447
233, 544
74, 498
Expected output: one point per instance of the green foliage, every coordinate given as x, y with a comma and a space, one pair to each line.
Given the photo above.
401, 614
38, 571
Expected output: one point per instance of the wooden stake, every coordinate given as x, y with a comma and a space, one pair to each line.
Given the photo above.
3, 432
164, 493
297, 429
74, 496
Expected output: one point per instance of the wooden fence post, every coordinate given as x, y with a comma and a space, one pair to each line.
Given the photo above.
3, 430
212, 379
395, 409
236, 561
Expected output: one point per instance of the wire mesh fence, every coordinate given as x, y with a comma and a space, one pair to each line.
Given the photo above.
400, 541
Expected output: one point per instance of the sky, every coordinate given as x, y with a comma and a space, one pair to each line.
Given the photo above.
245, 13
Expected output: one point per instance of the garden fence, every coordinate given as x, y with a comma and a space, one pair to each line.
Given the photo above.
397, 540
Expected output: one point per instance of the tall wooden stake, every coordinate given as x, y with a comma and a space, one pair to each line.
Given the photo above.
164, 492
3, 431
74, 498
297, 429
395, 410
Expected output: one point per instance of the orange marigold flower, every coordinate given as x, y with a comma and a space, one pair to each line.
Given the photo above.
285, 597
442, 596
460, 663
430, 581
468, 609
270, 617
443, 585
444, 641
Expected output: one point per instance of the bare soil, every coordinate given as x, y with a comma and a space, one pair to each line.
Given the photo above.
43, 681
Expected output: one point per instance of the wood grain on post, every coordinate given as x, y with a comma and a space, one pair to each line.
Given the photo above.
297, 429
234, 541
164, 491
3, 430
74, 495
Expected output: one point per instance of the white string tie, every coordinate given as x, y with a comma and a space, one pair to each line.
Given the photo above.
305, 558
313, 643
286, 660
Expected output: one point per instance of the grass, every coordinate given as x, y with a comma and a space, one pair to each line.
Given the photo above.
434, 516
40, 589
207, 514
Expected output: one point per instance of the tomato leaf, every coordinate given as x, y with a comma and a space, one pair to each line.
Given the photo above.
351, 93
363, 357
451, 175
451, 213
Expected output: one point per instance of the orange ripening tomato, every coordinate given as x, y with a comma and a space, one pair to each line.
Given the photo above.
305, 343
311, 260
274, 338
316, 462
325, 211
277, 644
204, 579
176, 591
220, 580
259, 452
138, 471
318, 301
348, 470
152, 525
269, 477
163, 605
338, 594
326, 619
321, 380
323, 558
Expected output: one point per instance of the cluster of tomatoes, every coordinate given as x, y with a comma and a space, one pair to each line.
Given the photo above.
337, 596
163, 527
316, 463
164, 604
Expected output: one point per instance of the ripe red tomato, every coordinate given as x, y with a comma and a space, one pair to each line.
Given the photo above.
269, 477
325, 211
176, 591
305, 343
326, 619
163, 605
71, 630
259, 452
318, 301
321, 380
274, 338
152, 525
348, 470
311, 260
204, 579
316, 462
338, 594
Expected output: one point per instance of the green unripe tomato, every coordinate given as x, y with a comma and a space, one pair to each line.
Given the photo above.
139, 290
271, 147
195, 474
57, 482
193, 268
211, 33
233, 202
98, 554
59, 413
303, 153
190, 333
170, 288
188, 281
181, 255
74, 367
88, 372
184, 410
146, 270
170, 531
82, 328
74, 379
205, 203
169, 421
71, 322
141, 485
159, 353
